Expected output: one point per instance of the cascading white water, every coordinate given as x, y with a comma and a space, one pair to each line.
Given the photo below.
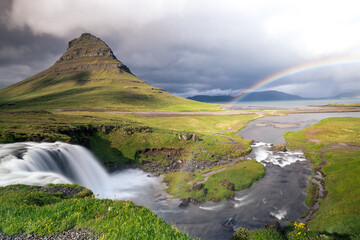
43, 163
262, 153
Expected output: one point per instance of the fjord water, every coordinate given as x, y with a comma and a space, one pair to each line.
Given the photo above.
271, 129
306, 104
279, 195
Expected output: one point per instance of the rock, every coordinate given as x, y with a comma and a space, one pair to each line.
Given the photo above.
197, 186
195, 138
229, 223
106, 128
186, 136
278, 148
274, 225
204, 191
228, 185
184, 203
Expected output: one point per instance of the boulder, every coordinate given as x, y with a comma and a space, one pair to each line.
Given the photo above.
278, 148
195, 138
197, 186
184, 203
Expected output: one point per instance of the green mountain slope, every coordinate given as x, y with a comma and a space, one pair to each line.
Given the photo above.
89, 76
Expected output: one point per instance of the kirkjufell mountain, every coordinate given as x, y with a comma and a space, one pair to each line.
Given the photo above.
87, 76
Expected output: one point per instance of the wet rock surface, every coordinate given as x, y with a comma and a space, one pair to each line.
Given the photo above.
278, 148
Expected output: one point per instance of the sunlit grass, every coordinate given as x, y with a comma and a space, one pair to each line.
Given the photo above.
219, 186
337, 142
25, 209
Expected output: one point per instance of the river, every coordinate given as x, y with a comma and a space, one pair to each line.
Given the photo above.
279, 195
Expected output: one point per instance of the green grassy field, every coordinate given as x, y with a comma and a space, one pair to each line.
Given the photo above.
333, 145
219, 186
88, 76
129, 135
26, 209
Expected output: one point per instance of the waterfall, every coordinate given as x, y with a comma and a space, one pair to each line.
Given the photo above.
43, 163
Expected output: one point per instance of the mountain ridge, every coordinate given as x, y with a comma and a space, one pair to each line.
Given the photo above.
253, 96
267, 96
89, 76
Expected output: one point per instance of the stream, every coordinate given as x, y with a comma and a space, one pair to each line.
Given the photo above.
279, 195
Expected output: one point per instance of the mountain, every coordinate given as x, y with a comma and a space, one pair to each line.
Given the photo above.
212, 99
88, 76
253, 96
355, 94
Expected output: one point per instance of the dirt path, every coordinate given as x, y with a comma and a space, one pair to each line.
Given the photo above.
159, 114
208, 174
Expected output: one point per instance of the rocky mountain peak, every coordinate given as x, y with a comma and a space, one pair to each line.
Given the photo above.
83, 51
87, 45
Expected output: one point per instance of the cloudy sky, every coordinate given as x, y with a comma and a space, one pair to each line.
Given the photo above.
191, 47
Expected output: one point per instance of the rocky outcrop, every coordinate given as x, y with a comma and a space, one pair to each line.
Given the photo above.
188, 136
88, 46
278, 148
185, 202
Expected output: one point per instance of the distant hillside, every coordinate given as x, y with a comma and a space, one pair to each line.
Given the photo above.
88, 76
355, 94
212, 99
254, 96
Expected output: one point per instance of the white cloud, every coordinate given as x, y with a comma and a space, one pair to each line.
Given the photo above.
66, 17
206, 44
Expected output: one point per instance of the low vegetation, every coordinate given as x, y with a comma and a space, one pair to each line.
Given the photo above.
343, 105
31, 210
118, 139
216, 184
294, 230
333, 146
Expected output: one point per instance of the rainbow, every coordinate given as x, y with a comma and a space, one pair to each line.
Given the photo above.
295, 70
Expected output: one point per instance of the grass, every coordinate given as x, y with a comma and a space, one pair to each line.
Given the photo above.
25, 209
117, 146
343, 105
339, 212
294, 230
219, 185
98, 86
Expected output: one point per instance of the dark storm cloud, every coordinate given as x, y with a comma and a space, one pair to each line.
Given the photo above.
190, 47
22, 53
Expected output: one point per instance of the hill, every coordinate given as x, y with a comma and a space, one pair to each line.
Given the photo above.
253, 96
354, 94
88, 76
